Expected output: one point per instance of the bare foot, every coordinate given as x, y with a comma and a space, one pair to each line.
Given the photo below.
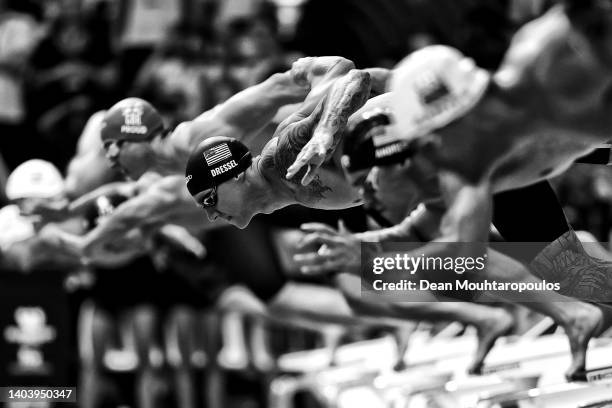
402, 340
585, 321
495, 325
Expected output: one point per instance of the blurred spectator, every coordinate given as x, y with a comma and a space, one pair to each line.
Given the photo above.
72, 76
19, 33
174, 78
141, 25
363, 31
251, 51
380, 32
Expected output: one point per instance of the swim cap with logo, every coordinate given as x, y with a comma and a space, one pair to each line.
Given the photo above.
133, 120
214, 161
433, 87
34, 179
370, 142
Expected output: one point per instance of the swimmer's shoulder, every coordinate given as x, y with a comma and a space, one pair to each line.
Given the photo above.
181, 138
267, 162
536, 49
89, 140
270, 148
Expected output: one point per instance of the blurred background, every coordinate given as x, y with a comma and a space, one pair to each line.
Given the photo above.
152, 333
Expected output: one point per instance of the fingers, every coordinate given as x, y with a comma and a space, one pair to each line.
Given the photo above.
309, 175
85, 201
342, 228
321, 239
300, 76
317, 227
299, 70
330, 260
312, 160
180, 237
311, 155
300, 161
328, 266
63, 240
313, 167
316, 258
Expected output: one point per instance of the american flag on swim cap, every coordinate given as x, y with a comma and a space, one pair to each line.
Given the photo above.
199, 173
216, 154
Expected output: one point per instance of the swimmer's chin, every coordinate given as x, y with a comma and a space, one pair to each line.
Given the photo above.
240, 223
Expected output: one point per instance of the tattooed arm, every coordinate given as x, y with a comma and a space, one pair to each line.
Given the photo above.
421, 225
250, 110
348, 94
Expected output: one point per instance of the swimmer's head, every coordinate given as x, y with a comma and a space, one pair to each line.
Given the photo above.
128, 128
34, 181
215, 178
383, 168
433, 87
369, 143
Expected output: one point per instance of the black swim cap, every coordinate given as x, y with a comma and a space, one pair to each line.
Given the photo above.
369, 142
214, 161
133, 120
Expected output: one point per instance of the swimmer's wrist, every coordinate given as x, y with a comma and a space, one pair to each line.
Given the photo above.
371, 238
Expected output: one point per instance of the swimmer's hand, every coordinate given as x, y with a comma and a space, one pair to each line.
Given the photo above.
47, 211
300, 71
313, 155
54, 236
311, 71
347, 95
339, 250
181, 238
86, 201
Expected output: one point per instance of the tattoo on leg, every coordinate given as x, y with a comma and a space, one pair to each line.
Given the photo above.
580, 275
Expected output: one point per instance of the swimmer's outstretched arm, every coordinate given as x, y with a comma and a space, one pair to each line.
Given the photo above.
149, 207
341, 249
148, 210
250, 110
348, 94
421, 225
467, 220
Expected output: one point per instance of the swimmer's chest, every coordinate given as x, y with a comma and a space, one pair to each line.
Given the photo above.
511, 156
329, 190
538, 155
516, 142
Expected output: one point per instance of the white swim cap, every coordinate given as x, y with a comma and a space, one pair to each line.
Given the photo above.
34, 179
433, 87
